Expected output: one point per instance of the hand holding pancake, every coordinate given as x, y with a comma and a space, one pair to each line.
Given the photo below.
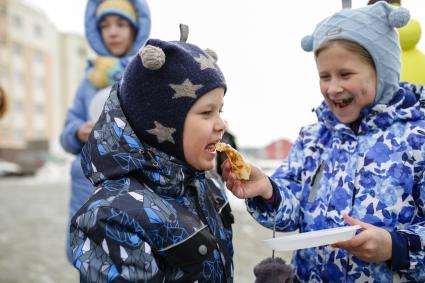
243, 180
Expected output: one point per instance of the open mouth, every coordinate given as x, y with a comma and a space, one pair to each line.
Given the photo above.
341, 103
210, 147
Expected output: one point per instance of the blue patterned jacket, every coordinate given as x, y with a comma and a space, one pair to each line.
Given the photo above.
152, 218
375, 175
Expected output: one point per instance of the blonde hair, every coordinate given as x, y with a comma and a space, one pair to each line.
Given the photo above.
349, 46
3, 102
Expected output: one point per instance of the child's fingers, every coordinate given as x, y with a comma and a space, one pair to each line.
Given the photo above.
354, 243
225, 169
353, 221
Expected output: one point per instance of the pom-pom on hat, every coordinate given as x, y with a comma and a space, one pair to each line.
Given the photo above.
273, 270
373, 28
160, 85
122, 8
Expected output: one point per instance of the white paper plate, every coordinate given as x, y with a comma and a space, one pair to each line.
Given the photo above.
312, 239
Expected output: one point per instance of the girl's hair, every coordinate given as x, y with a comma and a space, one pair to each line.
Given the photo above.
350, 46
3, 102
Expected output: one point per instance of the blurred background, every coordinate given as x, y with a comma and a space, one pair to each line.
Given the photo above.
43, 54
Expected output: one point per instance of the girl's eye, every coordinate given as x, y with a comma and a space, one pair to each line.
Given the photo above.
206, 113
324, 77
345, 74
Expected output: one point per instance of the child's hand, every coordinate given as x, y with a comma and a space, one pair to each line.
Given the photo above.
372, 244
257, 185
84, 131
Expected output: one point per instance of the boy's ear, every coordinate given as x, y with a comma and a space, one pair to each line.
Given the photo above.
153, 58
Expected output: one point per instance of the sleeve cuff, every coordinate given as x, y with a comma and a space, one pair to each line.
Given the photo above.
70, 140
268, 204
414, 242
400, 251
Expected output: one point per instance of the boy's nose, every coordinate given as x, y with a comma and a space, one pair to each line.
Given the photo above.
221, 125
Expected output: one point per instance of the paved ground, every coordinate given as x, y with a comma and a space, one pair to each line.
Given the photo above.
32, 234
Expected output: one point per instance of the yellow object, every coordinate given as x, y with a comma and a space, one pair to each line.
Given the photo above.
103, 71
412, 59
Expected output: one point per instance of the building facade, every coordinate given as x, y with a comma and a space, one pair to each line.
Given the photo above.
39, 67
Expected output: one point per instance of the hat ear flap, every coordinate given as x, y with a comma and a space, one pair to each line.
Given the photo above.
153, 58
212, 54
398, 18
307, 43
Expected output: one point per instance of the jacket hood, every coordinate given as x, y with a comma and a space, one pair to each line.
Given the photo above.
113, 151
408, 104
93, 33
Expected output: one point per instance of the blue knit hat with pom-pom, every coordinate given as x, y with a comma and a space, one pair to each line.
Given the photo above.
161, 84
372, 27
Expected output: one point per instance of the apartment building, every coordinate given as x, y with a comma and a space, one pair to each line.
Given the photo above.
40, 69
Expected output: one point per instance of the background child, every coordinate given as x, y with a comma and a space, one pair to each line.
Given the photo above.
115, 30
361, 163
157, 216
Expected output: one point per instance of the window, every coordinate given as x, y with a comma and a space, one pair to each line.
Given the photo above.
39, 83
17, 21
39, 109
18, 106
38, 31
17, 49
18, 77
19, 135
38, 57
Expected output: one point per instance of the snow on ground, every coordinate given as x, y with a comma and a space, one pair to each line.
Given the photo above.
50, 172
236, 203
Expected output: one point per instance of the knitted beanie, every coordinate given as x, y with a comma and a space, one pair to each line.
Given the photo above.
122, 8
160, 86
373, 28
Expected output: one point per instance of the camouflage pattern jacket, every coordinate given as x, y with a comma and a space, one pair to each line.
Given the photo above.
152, 217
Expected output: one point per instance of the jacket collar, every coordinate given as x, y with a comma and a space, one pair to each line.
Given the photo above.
407, 105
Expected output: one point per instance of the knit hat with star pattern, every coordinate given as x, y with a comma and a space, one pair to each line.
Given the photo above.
373, 28
160, 85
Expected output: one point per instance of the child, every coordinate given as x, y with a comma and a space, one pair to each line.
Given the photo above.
115, 30
362, 163
157, 216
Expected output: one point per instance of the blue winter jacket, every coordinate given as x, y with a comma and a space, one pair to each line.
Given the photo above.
375, 175
152, 218
78, 114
